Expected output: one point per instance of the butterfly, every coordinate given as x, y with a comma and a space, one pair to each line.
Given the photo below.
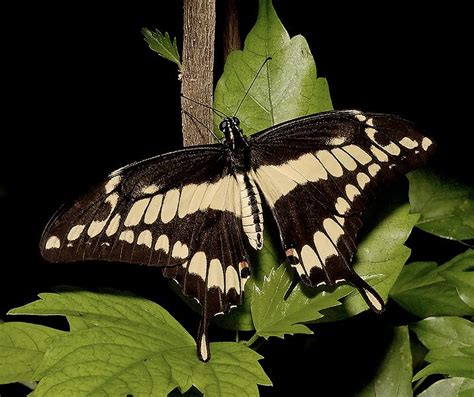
196, 212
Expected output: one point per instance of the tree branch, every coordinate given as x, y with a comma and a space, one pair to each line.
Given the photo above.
197, 71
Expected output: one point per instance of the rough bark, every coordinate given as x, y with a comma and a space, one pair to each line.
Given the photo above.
197, 70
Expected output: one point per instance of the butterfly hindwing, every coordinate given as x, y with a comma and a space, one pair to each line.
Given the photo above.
317, 175
216, 273
179, 211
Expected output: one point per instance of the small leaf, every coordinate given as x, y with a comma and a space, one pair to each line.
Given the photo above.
394, 373
422, 289
134, 346
452, 387
446, 208
445, 336
450, 366
286, 87
162, 45
22, 347
274, 316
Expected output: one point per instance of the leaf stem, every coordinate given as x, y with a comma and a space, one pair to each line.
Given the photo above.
418, 384
253, 339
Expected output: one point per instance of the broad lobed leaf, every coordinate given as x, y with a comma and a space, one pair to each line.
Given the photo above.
128, 345
286, 88
96, 309
22, 347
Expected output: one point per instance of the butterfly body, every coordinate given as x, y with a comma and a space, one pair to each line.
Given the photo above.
194, 212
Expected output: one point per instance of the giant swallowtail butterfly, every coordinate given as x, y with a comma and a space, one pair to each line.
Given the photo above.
194, 212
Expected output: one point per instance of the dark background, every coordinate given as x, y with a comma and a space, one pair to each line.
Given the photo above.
83, 95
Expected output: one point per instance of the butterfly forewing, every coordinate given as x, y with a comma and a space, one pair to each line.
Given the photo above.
179, 211
317, 175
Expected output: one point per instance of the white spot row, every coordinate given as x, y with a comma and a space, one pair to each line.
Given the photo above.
277, 181
325, 248
220, 195
215, 273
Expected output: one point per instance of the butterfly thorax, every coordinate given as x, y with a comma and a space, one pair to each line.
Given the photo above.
236, 145
251, 203
235, 140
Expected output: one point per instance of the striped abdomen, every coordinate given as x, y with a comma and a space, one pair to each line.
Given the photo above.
252, 217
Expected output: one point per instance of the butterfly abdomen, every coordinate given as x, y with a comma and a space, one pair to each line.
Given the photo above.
252, 217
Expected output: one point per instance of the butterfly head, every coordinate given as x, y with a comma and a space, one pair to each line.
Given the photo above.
230, 127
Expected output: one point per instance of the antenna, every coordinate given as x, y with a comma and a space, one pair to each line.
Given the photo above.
200, 122
216, 111
251, 84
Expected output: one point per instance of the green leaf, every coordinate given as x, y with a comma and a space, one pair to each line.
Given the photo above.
446, 207
450, 366
453, 387
394, 373
450, 341
380, 257
22, 347
464, 282
275, 316
134, 346
444, 336
162, 45
285, 88
424, 288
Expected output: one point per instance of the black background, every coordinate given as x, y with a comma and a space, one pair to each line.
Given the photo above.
83, 95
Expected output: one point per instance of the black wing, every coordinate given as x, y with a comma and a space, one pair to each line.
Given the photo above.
317, 174
180, 210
